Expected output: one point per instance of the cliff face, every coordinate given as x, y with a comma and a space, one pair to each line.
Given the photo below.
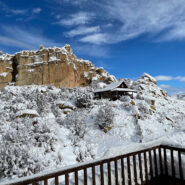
5, 69
55, 66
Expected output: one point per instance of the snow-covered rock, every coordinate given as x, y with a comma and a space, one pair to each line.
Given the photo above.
27, 113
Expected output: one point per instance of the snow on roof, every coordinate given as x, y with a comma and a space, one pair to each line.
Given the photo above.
110, 87
124, 89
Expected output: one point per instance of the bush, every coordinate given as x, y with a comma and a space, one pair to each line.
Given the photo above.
75, 121
84, 100
28, 141
105, 117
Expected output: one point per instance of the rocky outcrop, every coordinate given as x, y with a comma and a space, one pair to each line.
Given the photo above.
55, 66
5, 69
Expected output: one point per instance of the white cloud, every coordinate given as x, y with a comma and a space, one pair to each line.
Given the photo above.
172, 90
79, 18
73, 2
8, 10
163, 78
13, 36
36, 10
91, 50
180, 78
147, 16
97, 38
169, 78
83, 30
163, 20
17, 12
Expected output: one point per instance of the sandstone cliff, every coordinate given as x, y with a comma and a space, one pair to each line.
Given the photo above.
55, 66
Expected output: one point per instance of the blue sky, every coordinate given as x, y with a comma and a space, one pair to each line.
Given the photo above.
126, 37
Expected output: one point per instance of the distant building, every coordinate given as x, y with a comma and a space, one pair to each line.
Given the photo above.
114, 91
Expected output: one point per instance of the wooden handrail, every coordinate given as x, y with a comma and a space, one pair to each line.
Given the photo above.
143, 163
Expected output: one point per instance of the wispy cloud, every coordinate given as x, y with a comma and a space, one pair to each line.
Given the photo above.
147, 16
16, 37
83, 30
172, 90
36, 10
91, 50
73, 2
163, 20
169, 78
13, 11
163, 78
79, 18
97, 38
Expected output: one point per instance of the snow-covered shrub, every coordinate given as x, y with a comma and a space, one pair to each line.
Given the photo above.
125, 98
83, 151
84, 100
105, 117
28, 140
75, 121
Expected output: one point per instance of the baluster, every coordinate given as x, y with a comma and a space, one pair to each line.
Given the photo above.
116, 171
129, 172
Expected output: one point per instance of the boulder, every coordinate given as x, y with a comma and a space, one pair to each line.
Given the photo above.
27, 113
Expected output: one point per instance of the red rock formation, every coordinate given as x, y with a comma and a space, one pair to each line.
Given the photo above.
55, 66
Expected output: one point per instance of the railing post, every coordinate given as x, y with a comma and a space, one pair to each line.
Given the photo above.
102, 174
116, 171
180, 166
151, 165
160, 162
129, 172
135, 169
76, 177
155, 162
123, 171
165, 162
140, 168
56, 180
109, 172
85, 176
93, 176
66, 179
146, 168
45, 181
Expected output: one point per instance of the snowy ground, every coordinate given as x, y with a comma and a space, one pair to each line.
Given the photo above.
43, 127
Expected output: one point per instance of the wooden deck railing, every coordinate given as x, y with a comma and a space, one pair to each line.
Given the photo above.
138, 167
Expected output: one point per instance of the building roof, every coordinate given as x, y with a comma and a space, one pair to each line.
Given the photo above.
114, 87
124, 90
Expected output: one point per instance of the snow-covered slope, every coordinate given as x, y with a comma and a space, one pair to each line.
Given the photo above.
46, 127
179, 96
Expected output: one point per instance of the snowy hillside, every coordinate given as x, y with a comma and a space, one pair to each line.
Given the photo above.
179, 96
46, 127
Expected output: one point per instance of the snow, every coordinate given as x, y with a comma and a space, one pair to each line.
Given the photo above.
124, 89
4, 74
112, 86
27, 112
55, 138
6, 57
30, 70
53, 58
86, 74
